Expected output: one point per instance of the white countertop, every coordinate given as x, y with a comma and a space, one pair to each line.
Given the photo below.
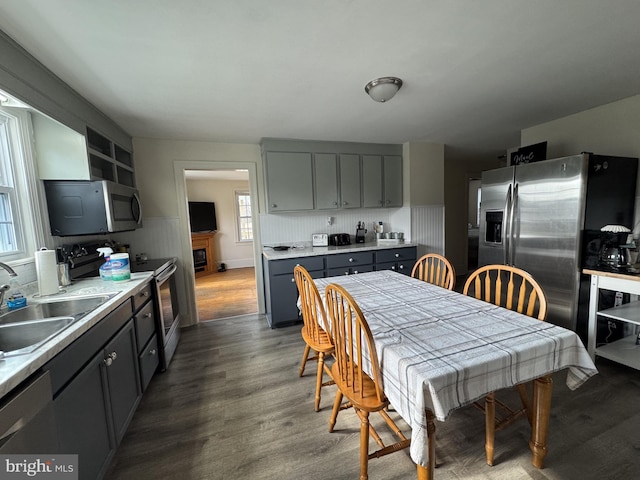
13, 370
308, 251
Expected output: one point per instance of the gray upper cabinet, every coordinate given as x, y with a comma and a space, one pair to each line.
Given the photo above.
307, 175
392, 168
350, 181
372, 181
326, 180
289, 177
382, 181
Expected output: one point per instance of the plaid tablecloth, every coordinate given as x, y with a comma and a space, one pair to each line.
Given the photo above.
441, 350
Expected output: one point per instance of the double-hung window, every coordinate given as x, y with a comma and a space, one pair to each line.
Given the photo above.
20, 228
243, 215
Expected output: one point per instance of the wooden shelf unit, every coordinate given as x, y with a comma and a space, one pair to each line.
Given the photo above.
204, 241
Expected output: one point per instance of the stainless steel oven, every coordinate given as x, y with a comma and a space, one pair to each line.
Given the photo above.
168, 314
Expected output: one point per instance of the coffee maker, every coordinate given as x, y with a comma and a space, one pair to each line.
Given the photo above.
614, 250
360, 231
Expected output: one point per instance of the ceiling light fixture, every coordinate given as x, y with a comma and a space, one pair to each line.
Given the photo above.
383, 89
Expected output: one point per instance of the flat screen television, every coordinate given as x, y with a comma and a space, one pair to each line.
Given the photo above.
202, 216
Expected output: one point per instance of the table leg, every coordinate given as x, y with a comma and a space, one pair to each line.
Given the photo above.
426, 473
542, 388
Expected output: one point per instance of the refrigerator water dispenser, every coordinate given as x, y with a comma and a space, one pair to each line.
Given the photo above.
493, 230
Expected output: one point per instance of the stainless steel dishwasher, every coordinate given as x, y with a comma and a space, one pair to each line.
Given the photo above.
27, 423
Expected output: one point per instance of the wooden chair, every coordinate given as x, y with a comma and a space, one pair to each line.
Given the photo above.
353, 344
516, 290
436, 269
314, 332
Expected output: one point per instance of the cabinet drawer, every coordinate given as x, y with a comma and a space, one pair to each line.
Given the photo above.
145, 325
334, 272
278, 267
396, 255
141, 297
352, 260
149, 361
400, 267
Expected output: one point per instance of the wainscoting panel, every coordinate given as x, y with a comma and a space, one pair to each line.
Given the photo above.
427, 228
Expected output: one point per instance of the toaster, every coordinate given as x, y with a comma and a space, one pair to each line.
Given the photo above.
320, 239
338, 239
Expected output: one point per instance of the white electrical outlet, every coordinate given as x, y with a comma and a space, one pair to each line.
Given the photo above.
329, 221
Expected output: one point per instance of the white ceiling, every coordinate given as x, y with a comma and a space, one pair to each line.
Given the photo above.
475, 72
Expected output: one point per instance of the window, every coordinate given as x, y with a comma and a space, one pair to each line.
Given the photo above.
20, 230
243, 213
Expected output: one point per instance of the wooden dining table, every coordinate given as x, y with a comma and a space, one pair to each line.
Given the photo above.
440, 350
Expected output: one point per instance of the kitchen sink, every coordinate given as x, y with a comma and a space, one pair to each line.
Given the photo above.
25, 329
25, 337
75, 307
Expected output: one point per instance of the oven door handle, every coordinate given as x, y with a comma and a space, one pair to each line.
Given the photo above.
166, 273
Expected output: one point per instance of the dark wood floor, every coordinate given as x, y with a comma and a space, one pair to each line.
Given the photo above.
231, 406
226, 294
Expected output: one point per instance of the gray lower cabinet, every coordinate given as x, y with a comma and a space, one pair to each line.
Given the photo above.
397, 259
146, 338
97, 387
349, 263
281, 292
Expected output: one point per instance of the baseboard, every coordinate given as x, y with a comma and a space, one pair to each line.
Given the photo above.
238, 263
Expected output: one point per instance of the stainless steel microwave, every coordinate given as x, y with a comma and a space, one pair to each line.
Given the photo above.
78, 207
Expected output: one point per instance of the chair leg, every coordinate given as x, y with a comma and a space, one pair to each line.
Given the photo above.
336, 409
490, 426
319, 379
364, 444
305, 355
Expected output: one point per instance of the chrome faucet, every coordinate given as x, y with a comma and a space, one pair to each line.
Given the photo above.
6, 287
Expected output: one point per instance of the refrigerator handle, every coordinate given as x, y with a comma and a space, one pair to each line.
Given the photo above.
512, 229
507, 227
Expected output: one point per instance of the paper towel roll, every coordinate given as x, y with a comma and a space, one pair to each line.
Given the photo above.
47, 271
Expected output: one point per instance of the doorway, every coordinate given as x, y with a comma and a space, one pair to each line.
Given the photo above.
223, 259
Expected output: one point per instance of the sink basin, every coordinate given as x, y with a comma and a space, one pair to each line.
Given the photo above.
25, 337
76, 307
25, 329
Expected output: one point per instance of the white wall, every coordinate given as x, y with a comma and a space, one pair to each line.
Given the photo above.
227, 248
612, 129
163, 194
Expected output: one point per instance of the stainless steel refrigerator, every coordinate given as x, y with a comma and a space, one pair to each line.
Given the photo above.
533, 217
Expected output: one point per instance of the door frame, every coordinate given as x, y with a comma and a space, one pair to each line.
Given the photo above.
179, 167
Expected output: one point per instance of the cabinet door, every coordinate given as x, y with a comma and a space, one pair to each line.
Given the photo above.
392, 181
350, 181
123, 376
284, 298
83, 419
289, 181
372, 181
326, 180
